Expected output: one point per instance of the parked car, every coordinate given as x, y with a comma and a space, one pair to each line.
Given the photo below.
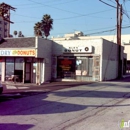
1, 88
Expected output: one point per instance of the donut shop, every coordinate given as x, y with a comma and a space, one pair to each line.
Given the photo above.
22, 60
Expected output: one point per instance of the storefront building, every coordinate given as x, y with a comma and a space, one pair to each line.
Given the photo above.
85, 60
25, 60
37, 60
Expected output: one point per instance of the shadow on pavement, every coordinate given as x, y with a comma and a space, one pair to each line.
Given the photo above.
126, 79
39, 104
14, 126
91, 94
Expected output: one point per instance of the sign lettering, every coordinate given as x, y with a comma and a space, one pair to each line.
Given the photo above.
29, 52
78, 49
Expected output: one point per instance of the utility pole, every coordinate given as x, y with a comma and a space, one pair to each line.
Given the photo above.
119, 25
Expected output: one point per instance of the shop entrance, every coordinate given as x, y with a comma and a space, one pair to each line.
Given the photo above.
27, 72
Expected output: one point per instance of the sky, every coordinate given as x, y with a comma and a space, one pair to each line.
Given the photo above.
92, 17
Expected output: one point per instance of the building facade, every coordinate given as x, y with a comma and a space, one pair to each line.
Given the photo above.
125, 43
36, 60
25, 60
85, 60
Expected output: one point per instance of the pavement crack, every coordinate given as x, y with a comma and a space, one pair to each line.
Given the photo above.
84, 116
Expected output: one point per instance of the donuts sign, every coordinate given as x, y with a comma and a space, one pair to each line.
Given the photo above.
28, 52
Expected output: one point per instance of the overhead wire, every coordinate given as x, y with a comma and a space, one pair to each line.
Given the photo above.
107, 30
78, 15
125, 12
66, 17
54, 7
99, 32
44, 5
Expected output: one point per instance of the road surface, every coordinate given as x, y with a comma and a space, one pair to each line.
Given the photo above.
96, 106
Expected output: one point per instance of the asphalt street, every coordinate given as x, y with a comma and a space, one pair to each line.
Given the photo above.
16, 90
92, 106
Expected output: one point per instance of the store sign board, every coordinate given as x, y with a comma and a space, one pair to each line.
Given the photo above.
87, 49
28, 52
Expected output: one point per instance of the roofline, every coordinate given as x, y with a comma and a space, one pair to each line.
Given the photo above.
18, 37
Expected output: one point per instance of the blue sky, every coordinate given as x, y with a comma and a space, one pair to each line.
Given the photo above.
88, 16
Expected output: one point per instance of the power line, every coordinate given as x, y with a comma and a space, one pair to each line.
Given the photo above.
66, 17
83, 15
107, 4
24, 16
99, 32
54, 7
107, 30
44, 5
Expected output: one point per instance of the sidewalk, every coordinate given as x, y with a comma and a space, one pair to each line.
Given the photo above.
47, 87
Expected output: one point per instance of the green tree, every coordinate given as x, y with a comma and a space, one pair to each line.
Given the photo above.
15, 33
37, 29
46, 24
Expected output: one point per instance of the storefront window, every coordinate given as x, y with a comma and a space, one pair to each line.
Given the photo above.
19, 63
9, 68
84, 66
14, 69
66, 67
90, 66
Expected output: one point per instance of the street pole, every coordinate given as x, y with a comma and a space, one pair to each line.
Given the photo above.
119, 22
120, 47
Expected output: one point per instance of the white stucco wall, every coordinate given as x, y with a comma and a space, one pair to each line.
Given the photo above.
105, 49
109, 60
58, 45
127, 51
125, 39
45, 51
95, 43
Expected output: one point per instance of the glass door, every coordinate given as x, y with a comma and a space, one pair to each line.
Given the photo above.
28, 72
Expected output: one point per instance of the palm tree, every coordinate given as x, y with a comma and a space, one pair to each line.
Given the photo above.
46, 24
20, 34
15, 33
37, 29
